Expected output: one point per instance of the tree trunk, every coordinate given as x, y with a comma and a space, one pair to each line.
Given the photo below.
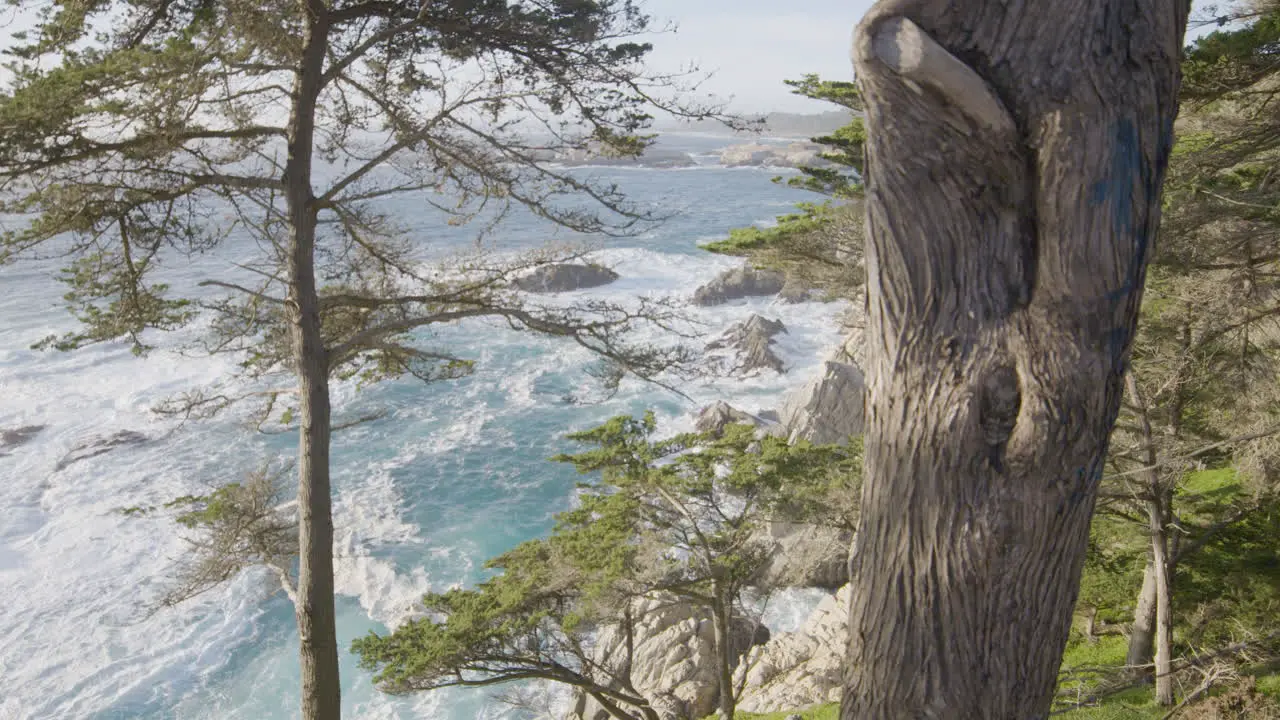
1159, 511
318, 644
720, 612
1142, 634
1015, 156
1164, 616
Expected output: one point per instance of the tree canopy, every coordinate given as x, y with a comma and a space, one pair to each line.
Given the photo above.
677, 518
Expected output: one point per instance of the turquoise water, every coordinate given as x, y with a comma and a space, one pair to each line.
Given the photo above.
453, 474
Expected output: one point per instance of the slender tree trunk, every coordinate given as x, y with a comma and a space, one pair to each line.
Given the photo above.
318, 644
1015, 157
720, 614
1142, 634
1164, 616
1159, 503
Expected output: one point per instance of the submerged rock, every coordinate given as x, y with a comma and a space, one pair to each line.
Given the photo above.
563, 277
739, 283
99, 446
14, 437
751, 342
828, 408
801, 668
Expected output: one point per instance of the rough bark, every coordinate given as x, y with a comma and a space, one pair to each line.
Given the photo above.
1015, 159
318, 644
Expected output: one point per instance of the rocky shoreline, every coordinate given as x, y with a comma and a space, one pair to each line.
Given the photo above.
751, 154
674, 659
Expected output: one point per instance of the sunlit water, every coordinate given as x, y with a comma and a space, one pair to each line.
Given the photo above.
453, 474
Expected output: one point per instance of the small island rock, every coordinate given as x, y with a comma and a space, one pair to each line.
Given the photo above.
751, 342
739, 283
564, 277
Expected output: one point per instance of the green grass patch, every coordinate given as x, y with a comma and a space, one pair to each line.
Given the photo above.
817, 712
1207, 482
1134, 704
1108, 651
1269, 684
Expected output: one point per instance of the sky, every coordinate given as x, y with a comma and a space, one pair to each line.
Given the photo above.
753, 45
749, 46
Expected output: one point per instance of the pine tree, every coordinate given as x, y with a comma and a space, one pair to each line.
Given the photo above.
131, 128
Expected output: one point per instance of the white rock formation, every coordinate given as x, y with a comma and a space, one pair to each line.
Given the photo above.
674, 665
795, 670
750, 343
828, 408
796, 154
806, 556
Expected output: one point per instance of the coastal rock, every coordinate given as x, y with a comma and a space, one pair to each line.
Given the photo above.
99, 446
853, 349
713, 418
828, 408
795, 292
563, 277
13, 437
805, 555
797, 154
750, 341
674, 663
739, 283
801, 668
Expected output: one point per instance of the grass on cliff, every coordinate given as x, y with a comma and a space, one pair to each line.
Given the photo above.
818, 712
1134, 704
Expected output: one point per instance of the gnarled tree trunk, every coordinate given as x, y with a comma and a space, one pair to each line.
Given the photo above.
1015, 159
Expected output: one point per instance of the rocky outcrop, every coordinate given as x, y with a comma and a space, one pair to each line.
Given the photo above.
804, 555
796, 292
14, 437
564, 277
750, 342
853, 349
99, 446
801, 668
828, 408
739, 283
674, 665
713, 418
798, 154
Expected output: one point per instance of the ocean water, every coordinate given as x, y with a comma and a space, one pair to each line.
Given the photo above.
453, 474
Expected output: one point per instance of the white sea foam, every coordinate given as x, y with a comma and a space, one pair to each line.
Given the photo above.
76, 573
